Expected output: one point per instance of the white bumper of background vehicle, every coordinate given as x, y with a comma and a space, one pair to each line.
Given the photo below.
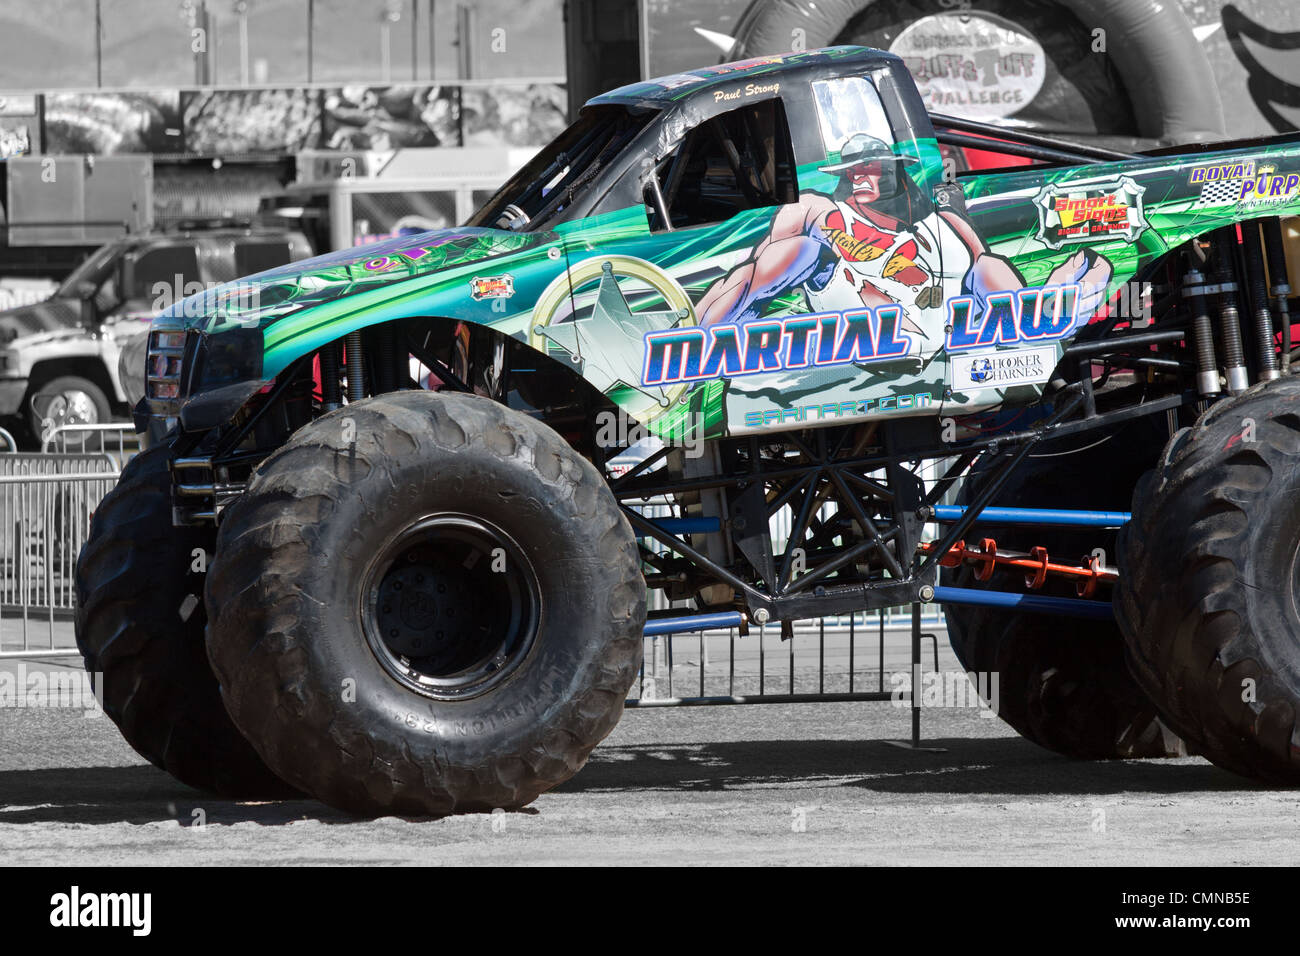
12, 391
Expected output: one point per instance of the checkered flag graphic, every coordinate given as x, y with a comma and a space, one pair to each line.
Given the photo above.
1220, 193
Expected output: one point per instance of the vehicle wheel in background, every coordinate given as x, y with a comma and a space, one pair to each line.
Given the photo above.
67, 400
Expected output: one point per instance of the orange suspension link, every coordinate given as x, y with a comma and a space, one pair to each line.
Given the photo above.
1036, 564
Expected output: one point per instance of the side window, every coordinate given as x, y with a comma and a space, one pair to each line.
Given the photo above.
167, 264
848, 106
735, 161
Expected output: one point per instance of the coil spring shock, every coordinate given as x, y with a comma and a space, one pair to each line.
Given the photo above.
331, 397
1207, 366
356, 367
1280, 288
1234, 359
1254, 255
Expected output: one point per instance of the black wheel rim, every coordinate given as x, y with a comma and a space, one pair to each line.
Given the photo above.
451, 606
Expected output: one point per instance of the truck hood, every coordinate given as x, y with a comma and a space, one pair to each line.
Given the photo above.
260, 300
52, 315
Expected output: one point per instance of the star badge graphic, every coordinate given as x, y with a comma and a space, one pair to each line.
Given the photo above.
607, 346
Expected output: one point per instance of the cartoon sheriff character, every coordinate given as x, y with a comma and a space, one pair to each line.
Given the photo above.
877, 240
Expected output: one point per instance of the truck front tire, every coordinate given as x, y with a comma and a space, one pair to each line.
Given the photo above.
425, 604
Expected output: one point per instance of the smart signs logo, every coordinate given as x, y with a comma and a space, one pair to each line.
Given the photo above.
1070, 213
491, 287
972, 372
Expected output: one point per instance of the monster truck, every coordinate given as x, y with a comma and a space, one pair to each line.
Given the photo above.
381, 556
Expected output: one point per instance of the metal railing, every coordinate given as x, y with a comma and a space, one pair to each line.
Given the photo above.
47, 500
46, 503
118, 440
830, 659
837, 658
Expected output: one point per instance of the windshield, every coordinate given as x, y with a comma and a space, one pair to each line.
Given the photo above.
550, 181
90, 270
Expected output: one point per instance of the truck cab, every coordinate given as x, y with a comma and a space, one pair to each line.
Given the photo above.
60, 358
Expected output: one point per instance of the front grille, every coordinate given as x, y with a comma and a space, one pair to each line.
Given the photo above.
164, 363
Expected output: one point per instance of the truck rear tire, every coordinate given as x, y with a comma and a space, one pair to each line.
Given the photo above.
140, 622
425, 604
1063, 680
1211, 582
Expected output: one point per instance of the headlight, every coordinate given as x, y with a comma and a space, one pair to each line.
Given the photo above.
167, 340
165, 366
162, 370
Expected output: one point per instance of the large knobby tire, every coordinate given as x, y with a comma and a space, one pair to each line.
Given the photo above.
368, 644
1208, 597
140, 623
1063, 681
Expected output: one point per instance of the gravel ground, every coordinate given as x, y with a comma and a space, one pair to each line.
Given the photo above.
774, 783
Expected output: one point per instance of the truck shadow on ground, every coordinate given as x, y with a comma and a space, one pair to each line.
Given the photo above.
981, 766
977, 767
139, 795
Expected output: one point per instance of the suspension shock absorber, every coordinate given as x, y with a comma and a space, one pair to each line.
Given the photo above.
1279, 286
1254, 254
331, 396
1234, 360
356, 367
385, 370
1207, 366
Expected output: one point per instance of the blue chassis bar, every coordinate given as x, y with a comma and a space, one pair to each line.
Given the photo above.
1052, 516
692, 622
1035, 603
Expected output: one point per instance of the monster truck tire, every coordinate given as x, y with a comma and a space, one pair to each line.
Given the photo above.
140, 622
1208, 596
339, 677
1165, 72
1063, 680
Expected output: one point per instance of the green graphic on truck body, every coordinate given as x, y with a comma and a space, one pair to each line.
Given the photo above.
869, 288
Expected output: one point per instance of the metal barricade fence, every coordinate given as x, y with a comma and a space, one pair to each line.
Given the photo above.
838, 658
46, 502
824, 661
118, 440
